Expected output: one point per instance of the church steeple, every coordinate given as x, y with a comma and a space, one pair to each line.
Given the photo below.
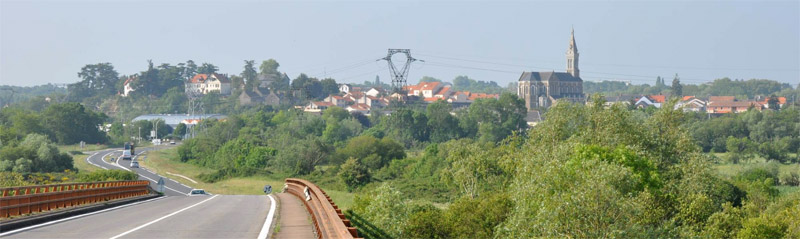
572, 56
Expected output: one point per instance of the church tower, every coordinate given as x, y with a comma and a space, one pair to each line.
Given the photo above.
572, 56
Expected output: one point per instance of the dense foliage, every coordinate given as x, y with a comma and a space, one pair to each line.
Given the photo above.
585, 172
742, 89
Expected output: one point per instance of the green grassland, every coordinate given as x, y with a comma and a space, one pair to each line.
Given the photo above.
162, 162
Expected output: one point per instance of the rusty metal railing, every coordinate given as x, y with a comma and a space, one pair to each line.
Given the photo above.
328, 219
17, 201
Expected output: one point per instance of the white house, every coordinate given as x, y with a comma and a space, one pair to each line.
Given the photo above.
345, 88
206, 83
373, 92
128, 88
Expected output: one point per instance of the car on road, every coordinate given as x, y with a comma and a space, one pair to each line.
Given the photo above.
134, 164
197, 192
172, 142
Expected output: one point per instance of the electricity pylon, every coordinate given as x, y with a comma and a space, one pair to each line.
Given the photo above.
399, 76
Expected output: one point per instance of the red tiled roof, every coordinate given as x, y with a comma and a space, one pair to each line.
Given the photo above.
322, 103
443, 90
658, 98
721, 98
688, 97
360, 106
129, 80
474, 96
429, 85
781, 100
733, 104
201, 78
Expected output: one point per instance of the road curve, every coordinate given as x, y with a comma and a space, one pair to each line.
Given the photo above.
171, 187
219, 216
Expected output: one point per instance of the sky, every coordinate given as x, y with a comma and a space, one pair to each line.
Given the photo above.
49, 41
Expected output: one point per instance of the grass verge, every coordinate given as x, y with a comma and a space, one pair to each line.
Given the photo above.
161, 162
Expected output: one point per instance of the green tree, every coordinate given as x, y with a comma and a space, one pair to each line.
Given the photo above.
250, 76
269, 67
677, 89
71, 123
180, 130
773, 102
443, 125
98, 80
207, 68
354, 174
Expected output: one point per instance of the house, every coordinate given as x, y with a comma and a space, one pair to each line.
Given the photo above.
443, 93
375, 92
128, 88
361, 108
424, 89
207, 83
318, 106
336, 100
723, 107
345, 88
691, 103
650, 100
624, 100
256, 96
533, 118
249, 98
721, 98
781, 102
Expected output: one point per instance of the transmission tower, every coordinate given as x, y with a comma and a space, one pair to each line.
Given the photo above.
399, 75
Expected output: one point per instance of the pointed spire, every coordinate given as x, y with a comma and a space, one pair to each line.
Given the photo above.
572, 44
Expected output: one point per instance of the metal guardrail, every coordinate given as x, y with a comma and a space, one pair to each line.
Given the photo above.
328, 219
16, 201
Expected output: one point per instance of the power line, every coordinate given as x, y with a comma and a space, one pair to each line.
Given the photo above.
637, 66
517, 65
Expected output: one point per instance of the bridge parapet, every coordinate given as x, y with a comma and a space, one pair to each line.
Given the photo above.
328, 219
16, 201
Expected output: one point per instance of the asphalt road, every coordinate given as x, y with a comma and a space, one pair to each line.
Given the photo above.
218, 216
171, 187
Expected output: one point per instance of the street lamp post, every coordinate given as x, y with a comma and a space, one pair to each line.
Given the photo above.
140, 135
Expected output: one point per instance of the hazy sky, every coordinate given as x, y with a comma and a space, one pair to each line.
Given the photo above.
49, 41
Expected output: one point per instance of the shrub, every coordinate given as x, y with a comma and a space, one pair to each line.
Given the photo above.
108, 175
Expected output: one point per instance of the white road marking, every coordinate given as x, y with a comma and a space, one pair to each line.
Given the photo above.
74, 217
187, 178
165, 186
162, 218
265, 229
90, 162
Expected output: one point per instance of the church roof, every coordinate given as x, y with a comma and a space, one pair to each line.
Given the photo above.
548, 76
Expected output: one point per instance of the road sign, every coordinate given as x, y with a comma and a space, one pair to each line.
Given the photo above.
267, 189
161, 184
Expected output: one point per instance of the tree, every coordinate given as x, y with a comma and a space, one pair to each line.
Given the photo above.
429, 79
180, 130
443, 125
677, 89
190, 70
354, 174
98, 80
249, 74
269, 67
71, 123
207, 68
329, 87
773, 102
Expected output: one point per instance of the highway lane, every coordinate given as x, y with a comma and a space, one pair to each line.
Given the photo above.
219, 216
172, 187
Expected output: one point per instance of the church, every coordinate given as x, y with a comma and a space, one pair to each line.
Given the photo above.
543, 89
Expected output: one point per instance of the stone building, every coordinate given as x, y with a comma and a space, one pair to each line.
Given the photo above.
543, 89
